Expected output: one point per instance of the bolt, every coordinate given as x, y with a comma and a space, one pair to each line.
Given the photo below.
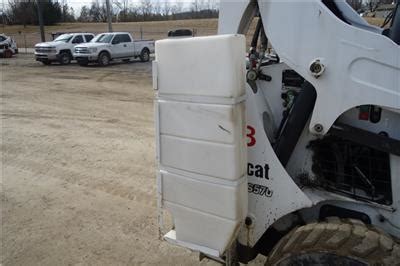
248, 221
252, 75
318, 128
317, 68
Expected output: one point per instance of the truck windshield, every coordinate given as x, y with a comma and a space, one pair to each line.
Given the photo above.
64, 38
104, 38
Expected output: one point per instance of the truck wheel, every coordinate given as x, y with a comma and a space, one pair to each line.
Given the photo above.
335, 242
65, 58
145, 55
104, 59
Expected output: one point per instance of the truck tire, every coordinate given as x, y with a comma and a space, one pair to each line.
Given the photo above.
145, 55
104, 59
335, 242
65, 58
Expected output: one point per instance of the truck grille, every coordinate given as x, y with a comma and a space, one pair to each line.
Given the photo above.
44, 50
82, 50
3, 46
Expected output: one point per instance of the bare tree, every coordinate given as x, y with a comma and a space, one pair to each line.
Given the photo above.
125, 8
157, 8
202, 5
372, 4
195, 6
355, 4
98, 12
146, 8
179, 6
176, 9
84, 16
387, 1
166, 9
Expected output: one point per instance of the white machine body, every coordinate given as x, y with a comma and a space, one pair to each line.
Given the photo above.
361, 67
206, 179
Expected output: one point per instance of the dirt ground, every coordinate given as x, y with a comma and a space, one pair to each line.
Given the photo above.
78, 178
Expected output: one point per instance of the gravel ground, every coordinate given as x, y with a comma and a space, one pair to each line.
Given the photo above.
78, 167
78, 178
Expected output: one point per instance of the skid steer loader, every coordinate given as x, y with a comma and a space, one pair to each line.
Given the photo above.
294, 152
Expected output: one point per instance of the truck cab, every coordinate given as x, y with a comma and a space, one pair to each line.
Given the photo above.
60, 49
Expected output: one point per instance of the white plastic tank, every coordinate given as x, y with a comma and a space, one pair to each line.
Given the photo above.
200, 129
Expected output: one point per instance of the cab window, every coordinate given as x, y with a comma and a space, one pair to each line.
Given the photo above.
121, 38
117, 39
88, 38
125, 38
78, 39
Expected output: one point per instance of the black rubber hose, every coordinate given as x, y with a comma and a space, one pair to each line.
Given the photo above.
264, 39
295, 123
254, 40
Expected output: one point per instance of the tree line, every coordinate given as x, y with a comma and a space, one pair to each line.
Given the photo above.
367, 5
24, 12
149, 10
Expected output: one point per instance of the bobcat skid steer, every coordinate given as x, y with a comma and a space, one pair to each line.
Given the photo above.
294, 152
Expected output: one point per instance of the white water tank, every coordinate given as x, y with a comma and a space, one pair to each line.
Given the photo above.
200, 130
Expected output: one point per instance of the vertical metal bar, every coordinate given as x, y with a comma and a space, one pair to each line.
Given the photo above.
109, 17
3, 15
41, 22
26, 48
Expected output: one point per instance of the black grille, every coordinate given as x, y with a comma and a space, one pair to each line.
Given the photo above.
44, 50
352, 169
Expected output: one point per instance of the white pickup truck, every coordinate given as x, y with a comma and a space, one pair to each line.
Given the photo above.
8, 47
106, 47
61, 49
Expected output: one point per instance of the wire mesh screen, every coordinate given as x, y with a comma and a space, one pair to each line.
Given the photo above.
355, 170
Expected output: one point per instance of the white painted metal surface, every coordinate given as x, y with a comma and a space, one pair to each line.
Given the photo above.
272, 192
201, 139
351, 55
236, 16
361, 67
